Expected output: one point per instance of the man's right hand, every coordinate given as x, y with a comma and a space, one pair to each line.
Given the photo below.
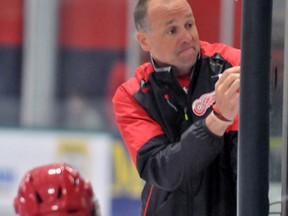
227, 101
227, 92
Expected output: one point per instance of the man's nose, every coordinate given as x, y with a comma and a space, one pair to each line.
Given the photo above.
186, 36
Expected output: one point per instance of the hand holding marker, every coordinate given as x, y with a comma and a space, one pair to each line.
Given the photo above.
218, 76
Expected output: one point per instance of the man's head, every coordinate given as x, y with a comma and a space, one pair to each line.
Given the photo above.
55, 190
167, 29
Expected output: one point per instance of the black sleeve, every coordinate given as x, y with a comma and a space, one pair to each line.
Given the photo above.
168, 165
232, 139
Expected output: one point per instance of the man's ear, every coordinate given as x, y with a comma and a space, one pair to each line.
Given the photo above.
142, 40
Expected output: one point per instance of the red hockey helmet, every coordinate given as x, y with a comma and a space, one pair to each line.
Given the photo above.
54, 190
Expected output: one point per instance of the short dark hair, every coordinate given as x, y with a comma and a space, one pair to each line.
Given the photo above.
140, 15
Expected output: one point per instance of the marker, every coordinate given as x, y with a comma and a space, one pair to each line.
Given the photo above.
216, 76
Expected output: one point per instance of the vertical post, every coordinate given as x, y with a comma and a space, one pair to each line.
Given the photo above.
253, 154
227, 21
284, 178
133, 53
39, 62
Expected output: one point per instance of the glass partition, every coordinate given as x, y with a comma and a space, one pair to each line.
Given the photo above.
276, 106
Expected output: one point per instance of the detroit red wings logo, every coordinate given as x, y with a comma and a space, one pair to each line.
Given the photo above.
200, 105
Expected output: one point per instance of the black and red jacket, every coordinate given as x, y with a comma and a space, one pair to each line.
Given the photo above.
188, 170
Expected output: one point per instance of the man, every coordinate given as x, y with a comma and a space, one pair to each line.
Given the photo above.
178, 122
55, 190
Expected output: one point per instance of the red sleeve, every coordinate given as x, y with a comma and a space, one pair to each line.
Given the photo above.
135, 125
230, 54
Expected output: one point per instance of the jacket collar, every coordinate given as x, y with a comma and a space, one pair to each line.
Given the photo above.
168, 68
159, 69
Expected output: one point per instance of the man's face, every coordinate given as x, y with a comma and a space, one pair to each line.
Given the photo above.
172, 38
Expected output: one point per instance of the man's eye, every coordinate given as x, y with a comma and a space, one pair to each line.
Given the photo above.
189, 25
172, 31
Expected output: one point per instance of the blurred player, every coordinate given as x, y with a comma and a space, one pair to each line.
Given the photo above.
55, 190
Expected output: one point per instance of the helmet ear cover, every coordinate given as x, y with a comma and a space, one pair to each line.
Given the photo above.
52, 189
23, 201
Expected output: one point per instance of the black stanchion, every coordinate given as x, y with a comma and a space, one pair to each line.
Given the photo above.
253, 154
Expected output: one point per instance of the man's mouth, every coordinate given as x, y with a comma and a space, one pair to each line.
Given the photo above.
187, 50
